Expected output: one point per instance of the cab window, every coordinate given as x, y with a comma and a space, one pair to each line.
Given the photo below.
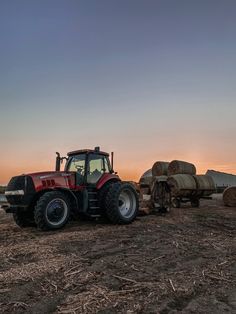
97, 165
77, 163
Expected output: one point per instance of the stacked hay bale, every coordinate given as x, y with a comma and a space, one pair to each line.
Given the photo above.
146, 179
160, 168
229, 196
205, 185
182, 180
181, 167
182, 185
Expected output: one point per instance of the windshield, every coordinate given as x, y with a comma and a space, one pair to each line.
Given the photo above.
77, 163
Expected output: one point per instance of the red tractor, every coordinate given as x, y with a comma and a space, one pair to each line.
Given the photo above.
87, 187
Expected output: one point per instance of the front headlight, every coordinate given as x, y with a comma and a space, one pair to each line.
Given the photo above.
16, 192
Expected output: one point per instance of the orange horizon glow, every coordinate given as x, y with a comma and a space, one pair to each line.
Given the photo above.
132, 173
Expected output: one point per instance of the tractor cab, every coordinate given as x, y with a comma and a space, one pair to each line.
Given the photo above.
89, 165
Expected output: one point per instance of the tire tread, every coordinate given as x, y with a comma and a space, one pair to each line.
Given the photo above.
22, 219
40, 207
111, 203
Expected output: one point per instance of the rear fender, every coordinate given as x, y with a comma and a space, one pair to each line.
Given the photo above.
107, 178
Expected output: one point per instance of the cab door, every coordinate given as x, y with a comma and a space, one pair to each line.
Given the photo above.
97, 166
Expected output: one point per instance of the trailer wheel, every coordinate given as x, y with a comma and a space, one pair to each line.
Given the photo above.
23, 219
52, 210
195, 203
176, 203
121, 203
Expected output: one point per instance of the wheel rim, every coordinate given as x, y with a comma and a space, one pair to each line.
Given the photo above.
127, 203
56, 211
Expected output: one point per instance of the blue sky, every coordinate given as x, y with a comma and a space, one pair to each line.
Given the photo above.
151, 80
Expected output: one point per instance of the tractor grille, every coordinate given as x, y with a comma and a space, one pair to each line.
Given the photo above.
24, 183
16, 183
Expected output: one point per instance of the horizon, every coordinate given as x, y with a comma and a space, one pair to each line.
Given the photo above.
149, 80
132, 175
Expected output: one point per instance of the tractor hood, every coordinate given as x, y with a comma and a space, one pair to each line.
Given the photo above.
48, 174
21, 190
53, 179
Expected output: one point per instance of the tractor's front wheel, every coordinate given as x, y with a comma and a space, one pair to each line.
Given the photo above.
121, 203
52, 210
23, 219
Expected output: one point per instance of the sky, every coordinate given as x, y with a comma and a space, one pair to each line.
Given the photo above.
150, 80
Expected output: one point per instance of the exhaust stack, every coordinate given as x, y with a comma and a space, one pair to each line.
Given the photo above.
58, 162
112, 161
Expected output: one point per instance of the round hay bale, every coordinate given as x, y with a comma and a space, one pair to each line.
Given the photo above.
182, 185
146, 179
205, 185
229, 196
181, 167
160, 168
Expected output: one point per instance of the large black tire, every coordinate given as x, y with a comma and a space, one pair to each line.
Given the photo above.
45, 204
118, 209
195, 203
102, 198
23, 219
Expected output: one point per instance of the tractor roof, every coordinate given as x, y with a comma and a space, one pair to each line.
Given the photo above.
86, 151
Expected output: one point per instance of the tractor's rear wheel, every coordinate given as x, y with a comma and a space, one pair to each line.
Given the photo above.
102, 199
23, 219
52, 210
121, 203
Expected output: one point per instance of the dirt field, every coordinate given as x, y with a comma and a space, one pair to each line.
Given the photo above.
183, 262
